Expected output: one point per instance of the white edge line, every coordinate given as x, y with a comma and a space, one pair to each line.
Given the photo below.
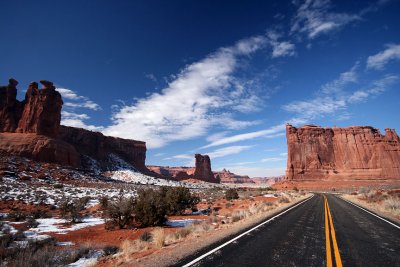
245, 233
398, 227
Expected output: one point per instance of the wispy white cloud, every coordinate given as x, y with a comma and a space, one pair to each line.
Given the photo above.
379, 61
202, 95
280, 48
336, 86
378, 87
77, 120
247, 136
77, 101
334, 96
273, 159
227, 151
72, 102
314, 18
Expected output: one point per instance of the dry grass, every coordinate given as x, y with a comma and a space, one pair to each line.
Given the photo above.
129, 247
392, 204
159, 237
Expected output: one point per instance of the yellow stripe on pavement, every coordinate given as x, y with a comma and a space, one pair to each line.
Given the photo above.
330, 231
327, 239
338, 259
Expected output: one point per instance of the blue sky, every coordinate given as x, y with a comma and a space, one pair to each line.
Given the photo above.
212, 77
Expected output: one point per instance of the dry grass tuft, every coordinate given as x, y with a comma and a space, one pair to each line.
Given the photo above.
159, 237
129, 247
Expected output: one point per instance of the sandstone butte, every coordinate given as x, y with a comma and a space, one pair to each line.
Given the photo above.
339, 154
31, 128
202, 171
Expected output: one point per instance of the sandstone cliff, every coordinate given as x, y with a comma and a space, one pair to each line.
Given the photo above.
31, 128
99, 147
358, 152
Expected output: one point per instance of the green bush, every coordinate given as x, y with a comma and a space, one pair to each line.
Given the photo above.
231, 194
150, 207
71, 209
120, 212
178, 199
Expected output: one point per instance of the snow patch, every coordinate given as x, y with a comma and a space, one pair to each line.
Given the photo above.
53, 225
89, 260
182, 223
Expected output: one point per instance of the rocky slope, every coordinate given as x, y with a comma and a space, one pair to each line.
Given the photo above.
31, 128
352, 153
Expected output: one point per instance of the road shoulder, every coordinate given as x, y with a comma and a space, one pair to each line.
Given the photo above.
372, 207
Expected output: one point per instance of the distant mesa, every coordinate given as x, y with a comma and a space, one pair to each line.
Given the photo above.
338, 154
31, 128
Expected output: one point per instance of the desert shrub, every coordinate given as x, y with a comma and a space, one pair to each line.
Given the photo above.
231, 194
159, 237
31, 223
71, 210
183, 232
120, 213
58, 186
16, 216
146, 236
110, 250
284, 199
228, 205
104, 202
150, 208
392, 203
178, 199
295, 189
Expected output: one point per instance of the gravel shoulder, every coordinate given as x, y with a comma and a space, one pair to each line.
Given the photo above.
373, 207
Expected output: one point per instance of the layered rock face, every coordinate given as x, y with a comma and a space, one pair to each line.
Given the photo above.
358, 152
228, 177
10, 107
31, 128
42, 110
99, 147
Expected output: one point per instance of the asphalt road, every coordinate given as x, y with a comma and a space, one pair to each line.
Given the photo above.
308, 236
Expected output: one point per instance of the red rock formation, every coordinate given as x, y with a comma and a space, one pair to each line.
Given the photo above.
42, 110
36, 121
227, 177
203, 169
40, 148
359, 152
100, 147
10, 107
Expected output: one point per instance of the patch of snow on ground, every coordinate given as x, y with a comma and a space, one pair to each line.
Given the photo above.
68, 243
270, 195
182, 223
140, 178
53, 225
89, 260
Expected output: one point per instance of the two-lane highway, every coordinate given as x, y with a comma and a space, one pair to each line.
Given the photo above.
322, 231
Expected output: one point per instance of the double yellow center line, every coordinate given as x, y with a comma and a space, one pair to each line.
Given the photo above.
330, 231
